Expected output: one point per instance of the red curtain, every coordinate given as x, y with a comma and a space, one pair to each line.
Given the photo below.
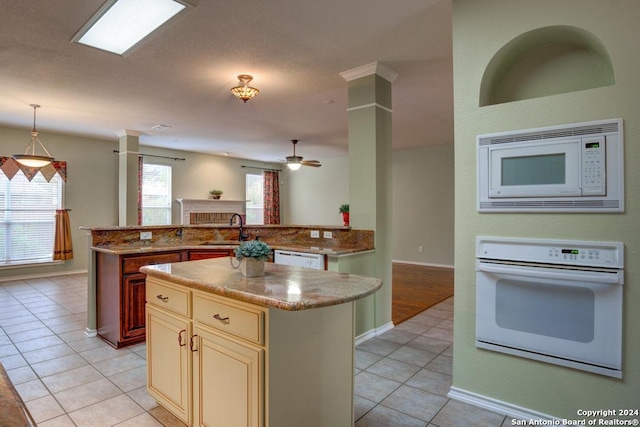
271, 197
62, 247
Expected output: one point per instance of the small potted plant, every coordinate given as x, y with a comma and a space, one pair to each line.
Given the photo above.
215, 194
252, 255
344, 210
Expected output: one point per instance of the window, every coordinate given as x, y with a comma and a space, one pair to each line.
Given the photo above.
27, 218
255, 199
156, 194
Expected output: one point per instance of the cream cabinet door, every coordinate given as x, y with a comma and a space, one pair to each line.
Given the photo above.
169, 361
228, 381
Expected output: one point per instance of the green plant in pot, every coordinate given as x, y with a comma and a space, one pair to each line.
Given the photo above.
215, 194
344, 210
252, 255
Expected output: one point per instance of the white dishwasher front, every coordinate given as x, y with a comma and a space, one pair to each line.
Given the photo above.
299, 259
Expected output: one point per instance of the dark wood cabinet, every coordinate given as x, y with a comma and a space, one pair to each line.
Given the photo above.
195, 254
133, 317
120, 295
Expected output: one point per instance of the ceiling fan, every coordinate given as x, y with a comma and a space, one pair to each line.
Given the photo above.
294, 162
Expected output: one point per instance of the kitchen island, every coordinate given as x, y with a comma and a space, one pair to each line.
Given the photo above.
278, 350
116, 287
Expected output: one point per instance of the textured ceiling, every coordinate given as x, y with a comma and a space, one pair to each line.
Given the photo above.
181, 75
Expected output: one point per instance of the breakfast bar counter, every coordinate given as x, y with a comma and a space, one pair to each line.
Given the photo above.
276, 350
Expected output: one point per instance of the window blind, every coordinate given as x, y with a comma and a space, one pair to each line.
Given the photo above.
27, 218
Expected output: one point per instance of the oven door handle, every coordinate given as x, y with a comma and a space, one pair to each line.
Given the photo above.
547, 273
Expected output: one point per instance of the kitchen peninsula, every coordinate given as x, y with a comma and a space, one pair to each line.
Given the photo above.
278, 350
116, 291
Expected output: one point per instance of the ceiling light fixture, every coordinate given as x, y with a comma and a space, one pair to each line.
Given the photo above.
31, 159
244, 92
294, 162
119, 25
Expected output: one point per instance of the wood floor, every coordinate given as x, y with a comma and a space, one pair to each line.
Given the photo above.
416, 288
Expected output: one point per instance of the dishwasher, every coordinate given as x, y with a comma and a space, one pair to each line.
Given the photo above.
299, 259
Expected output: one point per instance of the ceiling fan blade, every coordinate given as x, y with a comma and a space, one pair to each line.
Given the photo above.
312, 163
298, 159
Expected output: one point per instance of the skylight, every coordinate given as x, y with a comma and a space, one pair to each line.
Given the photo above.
119, 25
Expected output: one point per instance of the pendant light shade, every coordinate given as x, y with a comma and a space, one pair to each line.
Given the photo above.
244, 91
30, 158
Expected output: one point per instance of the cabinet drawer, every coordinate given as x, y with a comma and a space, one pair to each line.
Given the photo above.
216, 253
132, 264
168, 297
241, 320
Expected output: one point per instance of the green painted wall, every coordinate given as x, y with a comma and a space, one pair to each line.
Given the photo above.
480, 29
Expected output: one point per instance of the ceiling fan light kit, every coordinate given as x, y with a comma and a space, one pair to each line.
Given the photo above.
244, 91
294, 162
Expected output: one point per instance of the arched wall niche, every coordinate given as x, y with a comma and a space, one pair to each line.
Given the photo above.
546, 61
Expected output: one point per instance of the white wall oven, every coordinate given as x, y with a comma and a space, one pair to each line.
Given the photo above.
572, 168
550, 300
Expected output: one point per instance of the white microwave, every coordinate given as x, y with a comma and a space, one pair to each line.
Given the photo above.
569, 168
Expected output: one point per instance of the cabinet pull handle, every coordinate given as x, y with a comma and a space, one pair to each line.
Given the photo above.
191, 343
163, 299
180, 338
224, 320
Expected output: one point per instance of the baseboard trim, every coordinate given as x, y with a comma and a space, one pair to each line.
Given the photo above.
372, 333
90, 332
426, 264
41, 275
498, 406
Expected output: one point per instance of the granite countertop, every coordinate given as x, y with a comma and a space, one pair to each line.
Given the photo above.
196, 226
283, 287
159, 247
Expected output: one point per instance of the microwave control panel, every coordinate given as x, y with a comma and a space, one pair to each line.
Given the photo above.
593, 166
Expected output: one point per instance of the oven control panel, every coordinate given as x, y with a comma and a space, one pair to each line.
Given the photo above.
577, 254
568, 252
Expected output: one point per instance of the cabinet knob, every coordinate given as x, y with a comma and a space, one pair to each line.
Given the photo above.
162, 298
224, 320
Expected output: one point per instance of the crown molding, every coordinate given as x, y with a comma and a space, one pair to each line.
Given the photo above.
126, 132
369, 69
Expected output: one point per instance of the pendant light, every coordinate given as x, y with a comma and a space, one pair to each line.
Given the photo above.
30, 158
244, 91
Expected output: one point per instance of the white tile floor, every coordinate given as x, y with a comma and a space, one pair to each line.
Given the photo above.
69, 379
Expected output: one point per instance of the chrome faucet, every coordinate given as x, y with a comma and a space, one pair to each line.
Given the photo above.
242, 235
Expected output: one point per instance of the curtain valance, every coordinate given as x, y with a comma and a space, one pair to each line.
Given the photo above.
10, 167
